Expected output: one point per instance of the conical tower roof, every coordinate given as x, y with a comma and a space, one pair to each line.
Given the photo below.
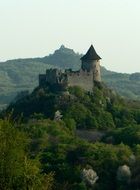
91, 55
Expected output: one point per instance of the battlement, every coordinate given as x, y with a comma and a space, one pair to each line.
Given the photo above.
85, 77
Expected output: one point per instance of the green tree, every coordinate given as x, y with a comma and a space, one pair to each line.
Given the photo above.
17, 171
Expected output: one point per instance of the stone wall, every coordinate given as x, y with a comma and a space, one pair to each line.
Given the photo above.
52, 75
92, 66
90, 72
82, 78
42, 79
96, 71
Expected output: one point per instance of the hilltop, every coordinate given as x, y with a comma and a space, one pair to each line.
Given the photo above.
65, 128
72, 133
98, 106
22, 74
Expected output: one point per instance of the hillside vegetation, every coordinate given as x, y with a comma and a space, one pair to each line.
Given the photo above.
47, 152
22, 74
17, 76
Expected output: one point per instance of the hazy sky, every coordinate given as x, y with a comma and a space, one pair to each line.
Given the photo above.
32, 28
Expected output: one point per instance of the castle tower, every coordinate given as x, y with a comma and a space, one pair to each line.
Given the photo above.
91, 63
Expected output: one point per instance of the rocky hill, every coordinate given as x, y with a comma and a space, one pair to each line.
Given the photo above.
70, 139
22, 74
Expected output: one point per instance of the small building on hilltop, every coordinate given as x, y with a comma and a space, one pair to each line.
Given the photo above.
85, 77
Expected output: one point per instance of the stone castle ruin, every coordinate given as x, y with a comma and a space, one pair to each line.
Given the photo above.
85, 77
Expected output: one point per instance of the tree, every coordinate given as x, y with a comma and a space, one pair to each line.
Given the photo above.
12, 144
123, 174
17, 171
89, 177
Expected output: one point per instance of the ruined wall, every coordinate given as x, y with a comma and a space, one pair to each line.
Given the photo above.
82, 79
51, 75
42, 79
90, 72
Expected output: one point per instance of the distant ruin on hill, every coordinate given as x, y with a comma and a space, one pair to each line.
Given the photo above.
85, 77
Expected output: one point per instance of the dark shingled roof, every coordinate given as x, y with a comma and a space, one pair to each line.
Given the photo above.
91, 55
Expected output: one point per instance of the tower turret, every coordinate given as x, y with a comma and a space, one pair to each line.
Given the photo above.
91, 63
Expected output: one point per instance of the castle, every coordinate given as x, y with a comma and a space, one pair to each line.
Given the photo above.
85, 77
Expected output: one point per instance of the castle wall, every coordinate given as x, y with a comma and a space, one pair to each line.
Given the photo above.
96, 71
87, 65
94, 66
85, 78
51, 75
82, 79
42, 79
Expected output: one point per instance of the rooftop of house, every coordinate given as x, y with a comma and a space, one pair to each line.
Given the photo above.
91, 55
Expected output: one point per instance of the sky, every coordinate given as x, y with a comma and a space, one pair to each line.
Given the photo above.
36, 28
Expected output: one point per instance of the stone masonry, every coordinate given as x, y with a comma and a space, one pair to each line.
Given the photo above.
85, 77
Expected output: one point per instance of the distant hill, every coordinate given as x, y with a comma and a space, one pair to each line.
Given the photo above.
22, 74
127, 85
17, 76
64, 58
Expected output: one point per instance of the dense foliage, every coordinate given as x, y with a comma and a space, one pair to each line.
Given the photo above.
47, 152
18, 171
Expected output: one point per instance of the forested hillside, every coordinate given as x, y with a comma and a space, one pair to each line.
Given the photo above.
43, 149
17, 76
22, 74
